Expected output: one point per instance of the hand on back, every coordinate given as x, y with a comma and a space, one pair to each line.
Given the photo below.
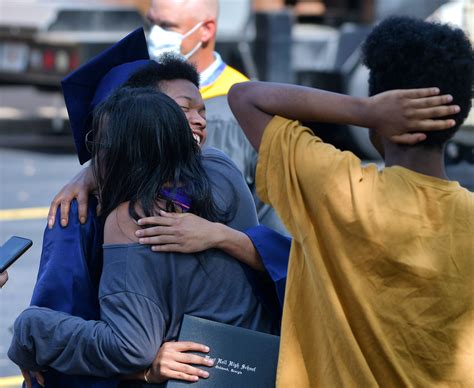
78, 188
173, 232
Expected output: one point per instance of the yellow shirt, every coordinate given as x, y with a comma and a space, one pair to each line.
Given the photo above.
223, 83
380, 284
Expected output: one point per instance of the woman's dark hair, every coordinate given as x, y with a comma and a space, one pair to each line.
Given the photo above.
143, 143
406, 53
168, 68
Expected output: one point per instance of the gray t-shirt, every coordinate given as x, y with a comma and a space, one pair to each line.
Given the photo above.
143, 296
224, 133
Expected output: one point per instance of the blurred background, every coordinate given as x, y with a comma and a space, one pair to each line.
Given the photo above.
308, 42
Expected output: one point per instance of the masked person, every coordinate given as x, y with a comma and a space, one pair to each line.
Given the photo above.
163, 41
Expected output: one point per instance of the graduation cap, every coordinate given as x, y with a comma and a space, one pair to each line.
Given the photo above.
94, 81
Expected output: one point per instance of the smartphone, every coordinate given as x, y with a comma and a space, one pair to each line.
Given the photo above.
12, 250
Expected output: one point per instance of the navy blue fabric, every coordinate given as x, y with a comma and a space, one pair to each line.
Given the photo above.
116, 77
264, 289
68, 280
274, 249
80, 87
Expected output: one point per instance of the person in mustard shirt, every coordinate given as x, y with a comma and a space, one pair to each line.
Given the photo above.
380, 285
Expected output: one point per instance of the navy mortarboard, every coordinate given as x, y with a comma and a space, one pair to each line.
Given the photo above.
91, 83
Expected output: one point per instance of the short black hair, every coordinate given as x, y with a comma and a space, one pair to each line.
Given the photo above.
405, 53
168, 67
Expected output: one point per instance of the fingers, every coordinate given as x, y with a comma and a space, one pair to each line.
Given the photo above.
171, 363
423, 125
419, 93
52, 212
26, 376
439, 111
185, 346
429, 102
157, 240
170, 374
61, 199
65, 206
409, 138
435, 125
39, 378
172, 215
157, 220
193, 359
155, 231
187, 371
82, 207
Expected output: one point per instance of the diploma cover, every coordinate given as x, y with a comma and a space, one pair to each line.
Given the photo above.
242, 357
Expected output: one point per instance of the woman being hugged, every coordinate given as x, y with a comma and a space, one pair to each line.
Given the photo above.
155, 165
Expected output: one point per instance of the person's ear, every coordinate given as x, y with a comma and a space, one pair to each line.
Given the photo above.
208, 31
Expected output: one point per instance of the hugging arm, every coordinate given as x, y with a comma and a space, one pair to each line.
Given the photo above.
78, 188
188, 233
259, 247
124, 341
395, 114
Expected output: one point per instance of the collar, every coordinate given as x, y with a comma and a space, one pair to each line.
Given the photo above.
209, 75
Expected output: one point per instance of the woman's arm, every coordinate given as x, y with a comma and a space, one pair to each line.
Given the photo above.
259, 247
188, 233
124, 341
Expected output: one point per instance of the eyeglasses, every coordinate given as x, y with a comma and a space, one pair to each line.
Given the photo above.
172, 205
175, 201
92, 145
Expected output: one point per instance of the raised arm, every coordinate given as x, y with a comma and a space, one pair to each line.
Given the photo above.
393, 113
78, 188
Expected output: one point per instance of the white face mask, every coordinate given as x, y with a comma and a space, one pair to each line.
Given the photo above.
161, 41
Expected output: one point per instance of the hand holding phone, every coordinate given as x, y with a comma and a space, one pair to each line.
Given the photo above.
3, 278
12, 250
